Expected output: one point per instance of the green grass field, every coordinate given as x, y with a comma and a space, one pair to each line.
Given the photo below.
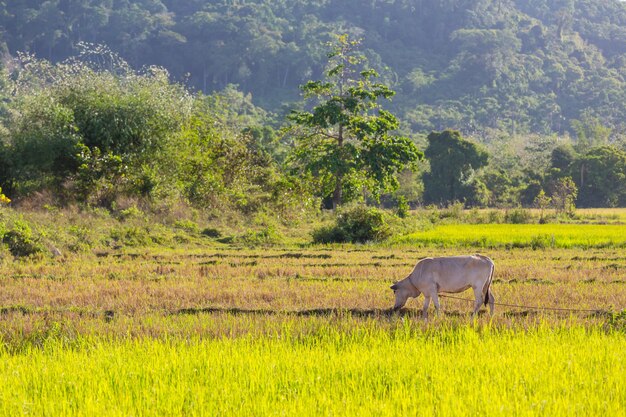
519, 236
461, 371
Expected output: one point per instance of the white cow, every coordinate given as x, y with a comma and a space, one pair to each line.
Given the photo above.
447, 274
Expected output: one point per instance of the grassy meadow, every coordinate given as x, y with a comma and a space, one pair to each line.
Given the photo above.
193, 326
520, 235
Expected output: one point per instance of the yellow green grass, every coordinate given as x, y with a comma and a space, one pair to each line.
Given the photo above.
566, 371
306, 330
519, 235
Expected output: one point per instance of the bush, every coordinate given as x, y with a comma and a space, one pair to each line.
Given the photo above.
131, 212
355, 225
130, 236
211, 232
266, 236
21, 242
403, 207
518, 216
187, 225
541, 242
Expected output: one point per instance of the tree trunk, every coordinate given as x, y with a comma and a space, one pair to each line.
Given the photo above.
338, 192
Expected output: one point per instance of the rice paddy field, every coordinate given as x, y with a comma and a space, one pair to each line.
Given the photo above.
306, 330
582, 236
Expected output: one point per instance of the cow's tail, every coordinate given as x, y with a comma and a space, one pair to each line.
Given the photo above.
487, 289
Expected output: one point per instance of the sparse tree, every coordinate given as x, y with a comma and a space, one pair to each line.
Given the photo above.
346, 141
542, 202
564, 196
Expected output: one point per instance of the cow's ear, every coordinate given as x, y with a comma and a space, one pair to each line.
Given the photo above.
394, 286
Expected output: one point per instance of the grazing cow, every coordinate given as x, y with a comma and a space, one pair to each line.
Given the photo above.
447, 274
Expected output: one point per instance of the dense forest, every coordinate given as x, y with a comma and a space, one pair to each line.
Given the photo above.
509, 65
510, 102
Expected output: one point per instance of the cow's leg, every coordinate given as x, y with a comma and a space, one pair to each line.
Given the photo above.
436, 303
425, 309
491, 301
478, 294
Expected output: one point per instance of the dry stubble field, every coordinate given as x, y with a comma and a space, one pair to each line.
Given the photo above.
223, 291
280, 331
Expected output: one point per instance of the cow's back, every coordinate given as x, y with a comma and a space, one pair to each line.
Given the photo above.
455, 273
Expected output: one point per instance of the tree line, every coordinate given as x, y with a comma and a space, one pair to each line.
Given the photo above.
92, 130
483, 67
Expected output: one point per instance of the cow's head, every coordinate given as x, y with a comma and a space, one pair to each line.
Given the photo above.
403, 290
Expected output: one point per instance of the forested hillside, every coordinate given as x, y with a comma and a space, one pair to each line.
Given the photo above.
285, 107
480, 66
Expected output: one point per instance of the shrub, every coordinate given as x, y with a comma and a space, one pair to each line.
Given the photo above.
403, 207
518, 216
187, 225
358, 224
21, 242
541, 242
266, 236
211, 232
130, 236
453, 211
131, 212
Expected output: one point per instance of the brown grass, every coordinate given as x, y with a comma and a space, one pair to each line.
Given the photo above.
230, 292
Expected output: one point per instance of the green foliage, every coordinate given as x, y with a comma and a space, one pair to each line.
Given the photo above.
541, 242
345, 141
564, 192
129, 213
542, 202
99, 178
94, 131
403, 207
512, 66
357, 224
518, 216
130, 236
43, 139
76, 125
188, 225
267, 235
502, 187
20, 240
453, 163
562, 157
600, 176
590, 132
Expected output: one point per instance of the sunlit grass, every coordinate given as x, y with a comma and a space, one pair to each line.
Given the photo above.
519, 235
212, 330
450, 371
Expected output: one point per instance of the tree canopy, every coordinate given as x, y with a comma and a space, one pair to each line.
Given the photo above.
453, 165
514, 66
346, 141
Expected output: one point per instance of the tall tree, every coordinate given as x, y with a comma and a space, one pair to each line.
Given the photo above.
453, 162
600, 175
346, 141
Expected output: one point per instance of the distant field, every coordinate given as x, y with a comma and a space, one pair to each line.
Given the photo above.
608, 215
224, 330
519, 236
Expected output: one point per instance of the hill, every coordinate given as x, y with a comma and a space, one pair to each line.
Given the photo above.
485, 66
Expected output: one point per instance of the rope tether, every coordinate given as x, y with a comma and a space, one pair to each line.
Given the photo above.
531, 307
